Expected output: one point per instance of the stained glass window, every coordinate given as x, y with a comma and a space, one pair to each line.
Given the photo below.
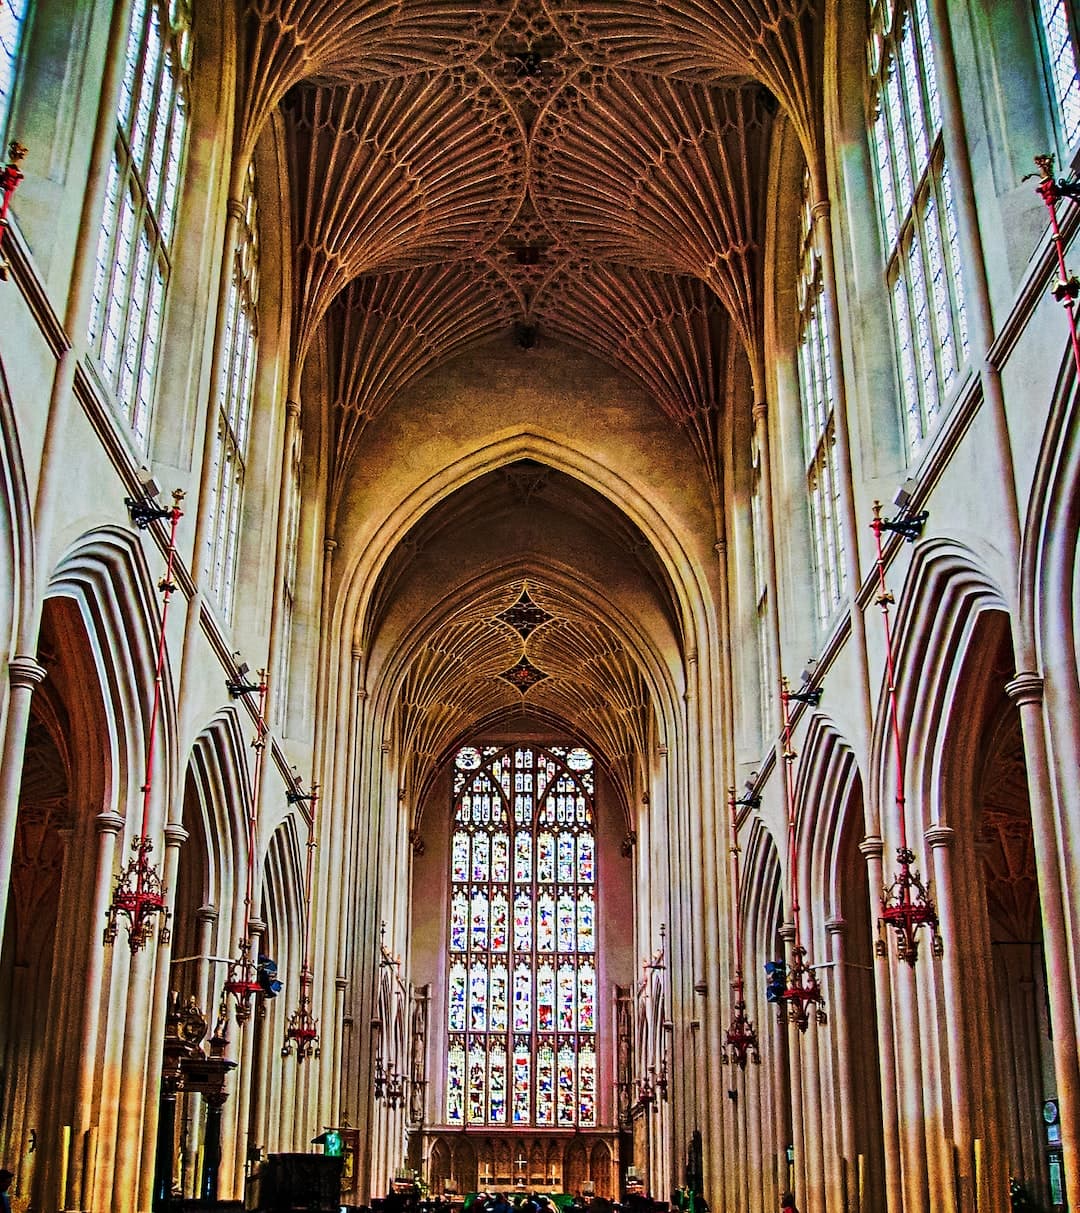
918, 215
1060, 47
819, 438
12, 18
522, 938
131, 275
230, 440
288, 584
761, 592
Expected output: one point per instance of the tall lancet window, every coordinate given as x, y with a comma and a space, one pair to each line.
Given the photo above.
141, 195
1059, 43
12, 20
918, 217
521, 998
237, 387
819, 433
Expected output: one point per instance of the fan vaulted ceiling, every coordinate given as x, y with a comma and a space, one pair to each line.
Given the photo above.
589, 172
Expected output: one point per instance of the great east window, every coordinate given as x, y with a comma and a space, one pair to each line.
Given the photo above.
522, 939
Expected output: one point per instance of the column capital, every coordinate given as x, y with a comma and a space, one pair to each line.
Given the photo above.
329, 545
292, 408
821, 209
1025, 687
341, 983
836, 926
109, 823
175, 835
787, 932
256, 927
760, 412
939, 836
234, 208
25, 671
206, 914
871, 847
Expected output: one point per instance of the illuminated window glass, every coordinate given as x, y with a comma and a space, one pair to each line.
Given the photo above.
12, 18
239, 349
819, 438
521, 998
133, 260
1060, 48
288, 585
918, 217
761, 593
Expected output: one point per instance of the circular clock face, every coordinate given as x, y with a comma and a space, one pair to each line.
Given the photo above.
1050, 1111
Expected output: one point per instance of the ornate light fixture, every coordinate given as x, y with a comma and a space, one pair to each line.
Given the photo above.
389, 1085
243, 980
302, 1030
906, 904
802, 991
10, 176
740, 1040
1067, 288
139, 895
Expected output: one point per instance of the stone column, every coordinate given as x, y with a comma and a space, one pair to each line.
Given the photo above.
175, 837
245, 1077
131, 1106
847, 1197
1026, 691
872, 849
795, 1085
912, 1110
24, 673
940, 840
205, 919
80, 1181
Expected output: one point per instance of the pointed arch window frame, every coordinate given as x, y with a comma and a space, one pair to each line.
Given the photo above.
522, 945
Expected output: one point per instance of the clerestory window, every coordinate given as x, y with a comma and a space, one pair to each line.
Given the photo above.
819, 434
918, 217
288, 584
12, 21
237, 387
521, 997
1059, 45
134, 253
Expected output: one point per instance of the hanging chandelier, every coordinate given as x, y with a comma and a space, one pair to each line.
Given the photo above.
139, 894
1067, 288
740, 1039
906, 904
10, 177
802, 993
302, 1030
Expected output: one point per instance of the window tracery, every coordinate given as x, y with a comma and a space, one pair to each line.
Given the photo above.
522, 939
819, 436
239, 350
142, 191
761, 590
288, 584
12, 20
1060, 47
917, 213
